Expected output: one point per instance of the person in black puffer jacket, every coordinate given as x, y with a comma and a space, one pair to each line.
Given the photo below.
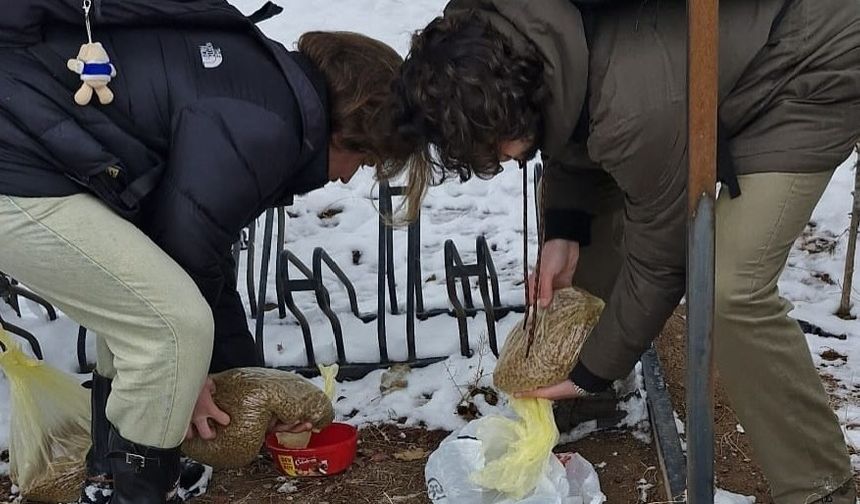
123, 215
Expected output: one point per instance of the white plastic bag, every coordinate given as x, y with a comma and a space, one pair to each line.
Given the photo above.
582, 479
450, 468
451, 471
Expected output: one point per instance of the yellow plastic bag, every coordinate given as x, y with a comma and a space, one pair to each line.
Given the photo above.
49, 428
520, 450
329, 375
300, 440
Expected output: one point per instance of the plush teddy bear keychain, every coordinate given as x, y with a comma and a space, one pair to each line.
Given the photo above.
94, 66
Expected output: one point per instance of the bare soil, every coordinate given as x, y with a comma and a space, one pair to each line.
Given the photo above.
735, 469
631, 474
390, 469
380, 474
390, 463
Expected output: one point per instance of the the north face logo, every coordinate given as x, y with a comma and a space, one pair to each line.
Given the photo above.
211, 55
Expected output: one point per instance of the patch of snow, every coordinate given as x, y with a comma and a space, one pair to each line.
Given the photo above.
287, 487
636, 405
849, 417
643, 487
581, 431
14, 495
682, 429
725, 497
813, 283
430, 398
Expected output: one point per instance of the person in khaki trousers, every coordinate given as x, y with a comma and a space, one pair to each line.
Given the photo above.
123, 215
599, 87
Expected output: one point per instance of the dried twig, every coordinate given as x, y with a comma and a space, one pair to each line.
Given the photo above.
540, 237
844, 310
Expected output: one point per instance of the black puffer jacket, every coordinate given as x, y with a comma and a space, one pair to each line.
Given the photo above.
212, 123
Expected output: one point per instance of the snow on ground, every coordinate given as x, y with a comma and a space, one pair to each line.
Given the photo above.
459, 212
813, 282
724, 497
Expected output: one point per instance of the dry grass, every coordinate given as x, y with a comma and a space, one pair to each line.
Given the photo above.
377, 476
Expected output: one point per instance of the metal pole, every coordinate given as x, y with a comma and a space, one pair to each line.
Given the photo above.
660, 409
264, 277
702, 67
282, 232
249, 272
381, 275
412, 253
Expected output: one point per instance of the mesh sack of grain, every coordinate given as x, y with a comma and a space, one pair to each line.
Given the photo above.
253, 397
560, 332
49, 431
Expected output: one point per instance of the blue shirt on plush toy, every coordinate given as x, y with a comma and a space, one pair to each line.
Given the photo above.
97, 69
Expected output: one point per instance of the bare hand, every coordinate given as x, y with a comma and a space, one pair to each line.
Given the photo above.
558, 264
557, 392
206, 409
296, 428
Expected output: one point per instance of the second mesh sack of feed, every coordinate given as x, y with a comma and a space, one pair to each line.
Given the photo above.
561, 330
253, 397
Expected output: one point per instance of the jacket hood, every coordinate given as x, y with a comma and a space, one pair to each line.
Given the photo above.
556, 29
316, 125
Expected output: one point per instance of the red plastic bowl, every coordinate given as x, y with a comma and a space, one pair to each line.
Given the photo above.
330, 451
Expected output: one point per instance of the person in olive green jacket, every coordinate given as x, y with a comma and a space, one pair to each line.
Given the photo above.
601, 90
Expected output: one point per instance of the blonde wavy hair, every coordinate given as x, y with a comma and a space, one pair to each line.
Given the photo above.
361, 74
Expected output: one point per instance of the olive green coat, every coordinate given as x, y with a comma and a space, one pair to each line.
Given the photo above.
789, 99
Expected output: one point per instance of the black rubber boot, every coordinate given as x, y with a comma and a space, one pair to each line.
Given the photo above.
98, 486
602, 408
143, 474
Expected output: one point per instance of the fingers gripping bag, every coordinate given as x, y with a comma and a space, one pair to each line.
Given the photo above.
49, 432
254, 397
560, 332
300, 440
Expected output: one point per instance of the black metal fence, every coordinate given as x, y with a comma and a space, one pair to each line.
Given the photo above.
293, 276
311, 279
10, 291
458, 281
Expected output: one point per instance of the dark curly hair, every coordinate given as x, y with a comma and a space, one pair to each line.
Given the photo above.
464, 90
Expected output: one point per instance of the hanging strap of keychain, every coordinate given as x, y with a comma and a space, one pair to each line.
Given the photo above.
88, 5
530, 319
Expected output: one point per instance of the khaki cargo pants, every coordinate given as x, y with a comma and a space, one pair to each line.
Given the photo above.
154, 328
761, 354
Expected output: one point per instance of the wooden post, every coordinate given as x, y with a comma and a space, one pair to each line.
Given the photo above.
702, 68
847, 279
